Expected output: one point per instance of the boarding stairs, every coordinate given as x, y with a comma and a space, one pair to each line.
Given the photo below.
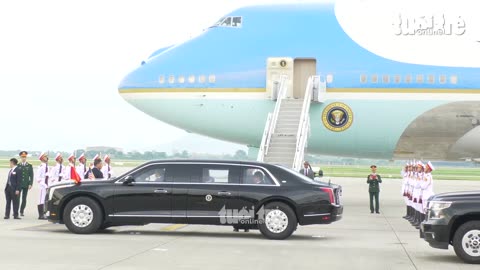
287, 129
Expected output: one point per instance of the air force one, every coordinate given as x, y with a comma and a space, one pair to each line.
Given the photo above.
366, 79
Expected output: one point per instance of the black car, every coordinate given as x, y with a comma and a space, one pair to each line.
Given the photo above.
246, 195
454, 219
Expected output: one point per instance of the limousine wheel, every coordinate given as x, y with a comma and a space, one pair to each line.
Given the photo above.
279, 222
82, 215
466, 242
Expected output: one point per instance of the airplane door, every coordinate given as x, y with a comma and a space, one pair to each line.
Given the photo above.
303, 68
276, 67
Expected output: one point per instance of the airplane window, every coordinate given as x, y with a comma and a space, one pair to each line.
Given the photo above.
374, 78
191, 79
453, 79
386, 79
442, 79
329, 78
229, 22
431, 78
211, 79
171, 79
161, 79
201, 79
237, 22
181, 79
363, 78
397, 79
408, 78
219, 22
419, 78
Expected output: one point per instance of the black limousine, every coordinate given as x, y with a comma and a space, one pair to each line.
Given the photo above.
246, 195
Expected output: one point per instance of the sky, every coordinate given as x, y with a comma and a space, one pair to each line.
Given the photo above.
61, 62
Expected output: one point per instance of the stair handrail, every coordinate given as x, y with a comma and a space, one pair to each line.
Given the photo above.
261, 151
304, 126
272, 119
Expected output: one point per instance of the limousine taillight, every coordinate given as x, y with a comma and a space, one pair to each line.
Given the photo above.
330, 193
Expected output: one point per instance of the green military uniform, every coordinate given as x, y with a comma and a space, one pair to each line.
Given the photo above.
26, 181
373, 181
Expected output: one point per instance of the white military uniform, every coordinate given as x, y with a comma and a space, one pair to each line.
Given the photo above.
107, 171
428, 188
82, 170
68, 171
417, 191
57, 173
42, 180
411, 185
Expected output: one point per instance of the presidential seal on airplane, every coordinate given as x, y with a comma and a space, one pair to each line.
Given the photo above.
337, 117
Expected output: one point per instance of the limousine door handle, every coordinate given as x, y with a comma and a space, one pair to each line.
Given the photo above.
161, 191
224, 193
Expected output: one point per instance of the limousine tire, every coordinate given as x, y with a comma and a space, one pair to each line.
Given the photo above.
279, 222
466, 242
83, 215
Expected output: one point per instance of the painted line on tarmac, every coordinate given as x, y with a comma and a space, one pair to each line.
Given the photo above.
174, 227
400, 241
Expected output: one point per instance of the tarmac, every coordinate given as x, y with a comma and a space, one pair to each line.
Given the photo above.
359, 241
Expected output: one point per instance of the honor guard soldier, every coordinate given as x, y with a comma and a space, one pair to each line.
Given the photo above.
405, 185
71, 164
82, 169
57, 172
42, 180
107, 169
411, 184
427, 188
373, 181
26, 179
417, 194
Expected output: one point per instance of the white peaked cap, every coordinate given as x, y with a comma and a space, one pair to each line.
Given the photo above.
43, 154
58, 156
81, 156
106, 157
431, 166
71, 156
96, 156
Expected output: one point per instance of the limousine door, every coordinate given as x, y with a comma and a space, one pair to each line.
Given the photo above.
144, 196
211, 194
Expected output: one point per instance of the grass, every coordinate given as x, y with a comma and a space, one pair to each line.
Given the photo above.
447, 173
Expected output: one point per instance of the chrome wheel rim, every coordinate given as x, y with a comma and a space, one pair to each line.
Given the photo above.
276, 221
471, 243
81, 216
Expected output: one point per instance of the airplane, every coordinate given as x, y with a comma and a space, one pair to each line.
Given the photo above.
407, 83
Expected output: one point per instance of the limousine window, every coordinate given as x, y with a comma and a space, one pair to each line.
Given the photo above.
255, 176
182, 173
220, 175
151, 174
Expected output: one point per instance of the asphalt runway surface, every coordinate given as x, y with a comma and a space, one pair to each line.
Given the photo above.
359, 241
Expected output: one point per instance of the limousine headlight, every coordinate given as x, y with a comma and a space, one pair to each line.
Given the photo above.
52, 190
436, 209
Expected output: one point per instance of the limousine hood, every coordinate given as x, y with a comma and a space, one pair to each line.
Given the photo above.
457, 196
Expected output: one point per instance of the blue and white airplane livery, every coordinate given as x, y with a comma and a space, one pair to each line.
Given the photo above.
407, 80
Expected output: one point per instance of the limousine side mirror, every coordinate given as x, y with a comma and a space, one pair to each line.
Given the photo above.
129, 180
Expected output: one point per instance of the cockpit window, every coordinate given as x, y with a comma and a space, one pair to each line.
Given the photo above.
229, 22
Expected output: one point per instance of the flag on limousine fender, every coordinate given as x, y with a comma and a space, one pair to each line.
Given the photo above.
74, 175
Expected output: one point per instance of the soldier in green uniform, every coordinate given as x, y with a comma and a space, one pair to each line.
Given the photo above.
373, 181
26, 179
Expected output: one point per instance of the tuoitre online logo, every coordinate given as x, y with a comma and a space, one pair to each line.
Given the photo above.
243, 216
430, 25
